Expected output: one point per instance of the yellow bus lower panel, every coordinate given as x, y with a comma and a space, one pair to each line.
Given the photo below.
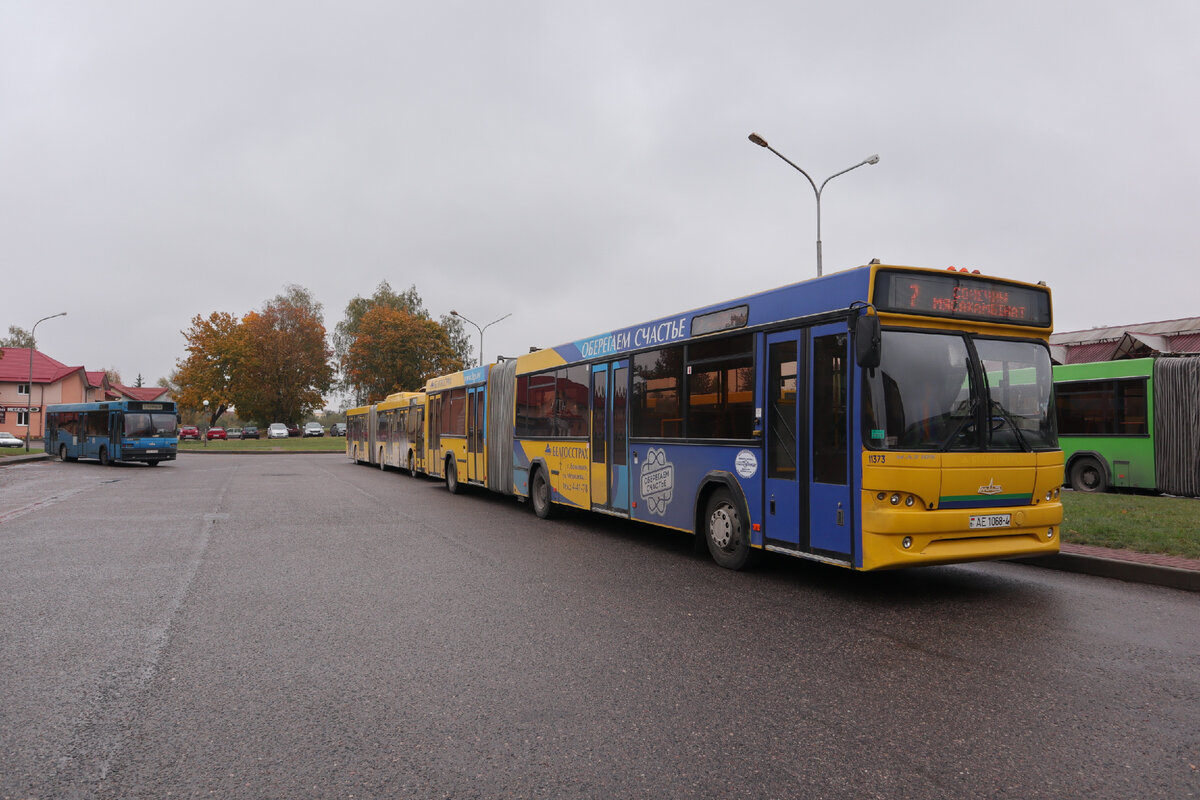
943, 537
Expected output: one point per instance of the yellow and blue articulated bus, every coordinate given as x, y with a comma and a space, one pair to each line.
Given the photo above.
390, 433
874, 418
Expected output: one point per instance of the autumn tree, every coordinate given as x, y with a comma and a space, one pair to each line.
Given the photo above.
212, 368
394, 350
285, 370
409, 301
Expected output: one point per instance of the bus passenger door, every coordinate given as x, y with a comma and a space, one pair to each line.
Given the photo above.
786, 443
831, 514
609, 441
476, 416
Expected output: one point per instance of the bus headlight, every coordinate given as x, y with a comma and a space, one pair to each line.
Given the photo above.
908, 501
896, 499
907, 543
1050, 533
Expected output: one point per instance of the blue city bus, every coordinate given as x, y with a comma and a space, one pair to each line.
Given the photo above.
119, 430
874, 418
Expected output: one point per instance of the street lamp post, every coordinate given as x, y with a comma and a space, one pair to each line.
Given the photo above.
761, 142
454, 313
29, 388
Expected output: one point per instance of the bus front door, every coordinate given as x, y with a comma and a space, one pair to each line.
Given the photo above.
609, 442
806, 430
831, 513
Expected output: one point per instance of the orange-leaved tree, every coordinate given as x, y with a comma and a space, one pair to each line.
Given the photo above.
216, 350
286, 372
395, 351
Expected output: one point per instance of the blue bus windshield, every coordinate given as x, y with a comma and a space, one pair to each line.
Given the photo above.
927, 394
140, 425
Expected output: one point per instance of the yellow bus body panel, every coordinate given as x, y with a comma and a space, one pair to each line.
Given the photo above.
937, 522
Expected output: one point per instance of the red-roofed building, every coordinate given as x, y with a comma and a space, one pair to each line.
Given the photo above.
1174, 337
53, 382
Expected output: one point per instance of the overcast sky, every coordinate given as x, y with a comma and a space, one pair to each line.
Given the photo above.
580, 165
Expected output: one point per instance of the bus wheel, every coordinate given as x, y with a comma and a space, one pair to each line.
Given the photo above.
412, 468
381, 464
1087, 475
452, 484
62, 452
153, 463
725, 531
104, 456
539, 493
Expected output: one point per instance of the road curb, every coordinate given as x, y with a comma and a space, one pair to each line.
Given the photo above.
1131, 571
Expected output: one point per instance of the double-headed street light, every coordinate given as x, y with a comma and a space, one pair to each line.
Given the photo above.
761, 142
454, 313
29, 388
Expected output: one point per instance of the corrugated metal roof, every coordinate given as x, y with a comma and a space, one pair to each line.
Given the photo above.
1170, 327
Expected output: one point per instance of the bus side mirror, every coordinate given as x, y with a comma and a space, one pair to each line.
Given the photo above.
868, 341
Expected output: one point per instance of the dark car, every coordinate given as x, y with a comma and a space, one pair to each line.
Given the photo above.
337, 429
216, 433
250, 432
294, 429
189, 432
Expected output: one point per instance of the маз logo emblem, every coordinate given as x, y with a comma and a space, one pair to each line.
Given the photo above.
991, 488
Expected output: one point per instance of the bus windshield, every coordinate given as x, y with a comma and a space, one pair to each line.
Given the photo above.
951, 392
141, 424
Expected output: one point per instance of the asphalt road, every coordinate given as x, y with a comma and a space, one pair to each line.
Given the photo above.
296, 626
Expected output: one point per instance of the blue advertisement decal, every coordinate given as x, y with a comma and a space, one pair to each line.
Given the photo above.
634, 338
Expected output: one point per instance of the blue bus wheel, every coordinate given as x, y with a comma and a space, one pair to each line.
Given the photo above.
104, 456
725, 531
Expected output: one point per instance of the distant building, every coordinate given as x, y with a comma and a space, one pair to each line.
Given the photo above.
53, 382
1171, 337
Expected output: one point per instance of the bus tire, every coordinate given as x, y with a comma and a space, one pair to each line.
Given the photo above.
104, 462
452, 484
62, 453
412, 465
1087, 475
725, 531
153, 463
539, 495
382, 465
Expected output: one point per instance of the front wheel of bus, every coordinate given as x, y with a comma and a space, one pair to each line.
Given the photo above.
1087, 475
382, 465
412, 465
62, 452
725, 531
104, 457
539, 493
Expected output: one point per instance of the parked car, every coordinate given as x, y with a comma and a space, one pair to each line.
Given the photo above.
277, 430
314, 429
233, 433
293, 429
189, 432
9, 440
250, 432
337, 429
216, 433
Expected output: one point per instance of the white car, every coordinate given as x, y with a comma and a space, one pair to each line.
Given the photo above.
277, 430
314, 429
9, 440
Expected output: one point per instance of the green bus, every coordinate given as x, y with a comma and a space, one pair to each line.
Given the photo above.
1131, 424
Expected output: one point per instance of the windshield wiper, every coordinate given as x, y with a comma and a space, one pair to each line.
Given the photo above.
1004, 415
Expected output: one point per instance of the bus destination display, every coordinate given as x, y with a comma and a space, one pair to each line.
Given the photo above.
961, 297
